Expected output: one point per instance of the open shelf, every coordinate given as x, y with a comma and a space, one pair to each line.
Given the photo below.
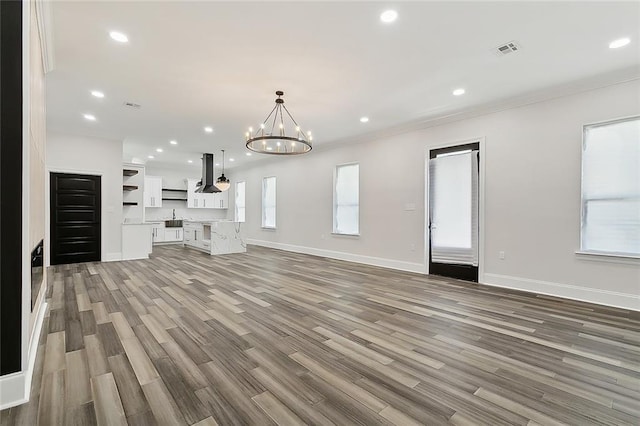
129, 187
174, 190
129, 203
174, 199
129, 172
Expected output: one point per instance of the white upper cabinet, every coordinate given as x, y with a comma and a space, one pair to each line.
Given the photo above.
195, 200
152, 191
192, 196
221, 200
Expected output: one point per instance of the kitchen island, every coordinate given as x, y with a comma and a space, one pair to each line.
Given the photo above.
215, 236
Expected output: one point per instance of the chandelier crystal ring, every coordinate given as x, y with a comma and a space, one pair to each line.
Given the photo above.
279, 134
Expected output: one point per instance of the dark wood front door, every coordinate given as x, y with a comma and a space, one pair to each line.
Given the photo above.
75, 218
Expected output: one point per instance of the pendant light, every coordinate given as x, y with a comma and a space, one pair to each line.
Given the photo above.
279, 134
223, 183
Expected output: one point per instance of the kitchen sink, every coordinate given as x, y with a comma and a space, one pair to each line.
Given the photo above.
175, 223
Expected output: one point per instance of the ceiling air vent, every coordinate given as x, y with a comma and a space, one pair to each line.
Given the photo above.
132, 105
507, 48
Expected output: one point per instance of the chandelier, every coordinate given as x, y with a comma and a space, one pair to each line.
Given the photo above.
283, 137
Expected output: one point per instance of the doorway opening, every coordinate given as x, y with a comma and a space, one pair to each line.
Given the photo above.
75, 218
453, 214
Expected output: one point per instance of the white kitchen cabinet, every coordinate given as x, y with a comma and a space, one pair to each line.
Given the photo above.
221, 200
197, 200
173, 235
152, 191
194, 199
194, 235
157, 233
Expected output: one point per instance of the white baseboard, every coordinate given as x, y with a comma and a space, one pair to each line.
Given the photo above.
350, 257
584, 294
15, 388
112, 257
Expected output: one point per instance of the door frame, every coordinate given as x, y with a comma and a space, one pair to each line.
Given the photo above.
481, 201
47, 210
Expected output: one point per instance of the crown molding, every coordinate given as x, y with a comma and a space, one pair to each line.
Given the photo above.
622, 76
45, 29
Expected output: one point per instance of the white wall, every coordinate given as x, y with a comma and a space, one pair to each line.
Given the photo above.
175, 179
78, 154
532, 195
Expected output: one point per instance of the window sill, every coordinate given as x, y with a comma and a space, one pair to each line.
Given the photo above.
269, 228
340, 234
608, 257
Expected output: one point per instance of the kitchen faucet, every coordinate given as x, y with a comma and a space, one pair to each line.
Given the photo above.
174, 214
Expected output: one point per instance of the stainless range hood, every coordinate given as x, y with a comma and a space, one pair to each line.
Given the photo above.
207, 184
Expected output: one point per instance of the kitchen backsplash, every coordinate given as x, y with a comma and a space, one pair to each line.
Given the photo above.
182, 212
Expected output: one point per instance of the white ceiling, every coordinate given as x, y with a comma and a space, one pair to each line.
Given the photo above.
192, 64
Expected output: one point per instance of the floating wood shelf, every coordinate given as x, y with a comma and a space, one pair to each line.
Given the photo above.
129, 203
129, 172
174, 190
129, 187
174, 199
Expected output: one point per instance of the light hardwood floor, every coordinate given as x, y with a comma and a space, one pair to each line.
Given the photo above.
275, 337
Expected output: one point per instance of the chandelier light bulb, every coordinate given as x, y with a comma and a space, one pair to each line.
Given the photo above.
262, 125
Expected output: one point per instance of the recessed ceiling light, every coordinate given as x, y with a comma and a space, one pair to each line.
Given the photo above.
189, 161
97, 94
458, 92
173, 142
364, 119
158, 149
208, 129
248, 154
619, 43
388, 16
217, 164
150, 157
232, 159
89, 117
119, 37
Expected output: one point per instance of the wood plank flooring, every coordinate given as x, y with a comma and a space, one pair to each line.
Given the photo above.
271, 337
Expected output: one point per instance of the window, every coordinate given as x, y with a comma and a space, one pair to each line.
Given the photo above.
240, 200
611, 188
269, 202
346, 200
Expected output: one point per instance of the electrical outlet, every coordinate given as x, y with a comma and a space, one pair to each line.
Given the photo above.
501, 255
